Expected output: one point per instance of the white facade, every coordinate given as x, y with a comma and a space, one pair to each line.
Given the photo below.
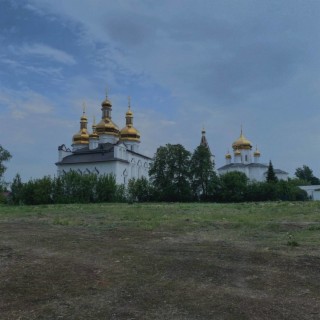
124, 164
107, 150
313, 191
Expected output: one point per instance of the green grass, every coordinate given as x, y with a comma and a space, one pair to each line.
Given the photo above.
160, 261
245, 219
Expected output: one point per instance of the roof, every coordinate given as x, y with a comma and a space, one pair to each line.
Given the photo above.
104, 153
242, 165
250, 165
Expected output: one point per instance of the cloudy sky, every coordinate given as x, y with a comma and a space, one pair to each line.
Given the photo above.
185, 64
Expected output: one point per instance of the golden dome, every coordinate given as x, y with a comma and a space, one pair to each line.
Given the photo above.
237, 152
82, 137
106, 102
228, 155
94, 134
106, 126
130, 134
129, 113
242, 143
257, 153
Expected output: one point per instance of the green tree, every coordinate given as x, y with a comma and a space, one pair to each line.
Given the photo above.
271, 176
17, 190
139, 190
107, 189
170, 173
202, 172
232, 187
4, 157
305, 173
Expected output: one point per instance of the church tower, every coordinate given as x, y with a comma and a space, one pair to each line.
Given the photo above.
204, 142
106, 129
242, 150
81, 139
129, 134
93, 137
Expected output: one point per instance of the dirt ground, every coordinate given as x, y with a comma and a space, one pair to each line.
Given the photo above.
52, 271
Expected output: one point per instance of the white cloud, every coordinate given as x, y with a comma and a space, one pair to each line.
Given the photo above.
47, 52
25, 103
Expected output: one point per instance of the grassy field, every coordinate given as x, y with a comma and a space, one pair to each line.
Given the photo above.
160, 261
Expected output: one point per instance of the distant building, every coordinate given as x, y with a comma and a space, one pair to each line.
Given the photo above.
106, 150
313, 191
248, 163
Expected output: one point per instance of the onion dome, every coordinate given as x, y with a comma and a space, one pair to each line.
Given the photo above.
228, 155
257, 153
82, 137
237, 152
106, 125
94, 134
242, 143
129, 133
106, 103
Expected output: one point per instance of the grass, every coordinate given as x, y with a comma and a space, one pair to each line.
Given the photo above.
160, 261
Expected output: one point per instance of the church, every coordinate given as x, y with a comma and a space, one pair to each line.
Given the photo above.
106, 149
248, 163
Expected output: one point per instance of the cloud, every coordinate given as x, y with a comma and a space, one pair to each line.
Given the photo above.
22, 104
214, 63
47, 52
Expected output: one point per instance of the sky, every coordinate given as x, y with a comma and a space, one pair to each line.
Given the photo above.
185, 64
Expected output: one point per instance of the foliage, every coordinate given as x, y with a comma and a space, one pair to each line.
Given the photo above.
306, 174
271, 176
71, 187
16, 190
4, 157
175, 175
170, 173
139, 190
202, 173
232, 187
292, 242
37, 191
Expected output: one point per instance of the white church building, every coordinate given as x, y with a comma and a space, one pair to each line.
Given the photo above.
106, 150
248, 163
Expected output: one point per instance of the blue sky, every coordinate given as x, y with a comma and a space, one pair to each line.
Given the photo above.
185, 64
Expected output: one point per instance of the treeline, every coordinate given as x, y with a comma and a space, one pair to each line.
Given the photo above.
230, 187
176, 175
68, 188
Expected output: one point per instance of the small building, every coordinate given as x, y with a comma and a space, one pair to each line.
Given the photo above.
106, 150
245, 161
313, 191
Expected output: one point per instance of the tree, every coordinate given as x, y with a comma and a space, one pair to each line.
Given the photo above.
202, 172
170, 173
306, 174
4, 156
271, 176
139, 190
232, 187
16, 190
